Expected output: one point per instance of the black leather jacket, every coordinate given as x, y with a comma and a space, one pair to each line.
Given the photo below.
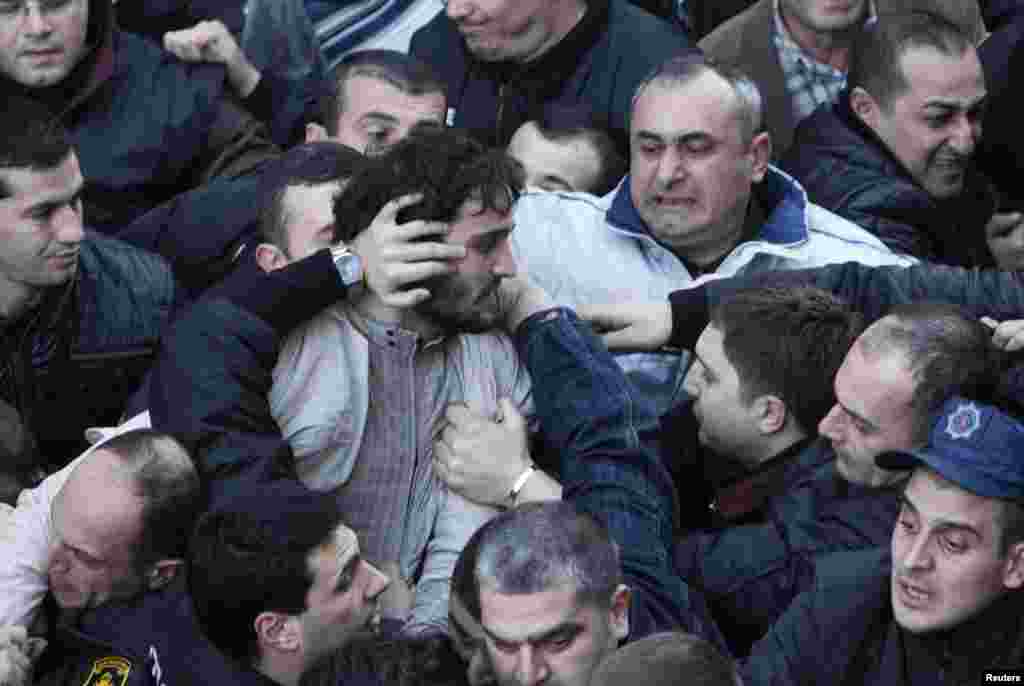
845, 168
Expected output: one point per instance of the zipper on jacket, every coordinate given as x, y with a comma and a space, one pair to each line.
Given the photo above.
501, 113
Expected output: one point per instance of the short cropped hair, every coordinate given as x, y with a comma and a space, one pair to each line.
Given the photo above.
1011, 525
403, 71
946, 352
392, 661
162, 474
251, 555
788, 342
563, 123
875, 59
680, 70
666, 659
542, 546
446, 166
308, 164
30, 138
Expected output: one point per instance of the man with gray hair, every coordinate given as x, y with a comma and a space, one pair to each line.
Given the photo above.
116, 522
700, 198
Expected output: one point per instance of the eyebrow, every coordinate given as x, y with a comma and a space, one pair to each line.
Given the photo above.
651, 136
379, 117
955, 104
57, 200
703, 363
858, 417
941, 524
488, 234
570, 625
558, 180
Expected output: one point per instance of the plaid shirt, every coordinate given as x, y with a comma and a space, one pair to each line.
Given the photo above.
809, 82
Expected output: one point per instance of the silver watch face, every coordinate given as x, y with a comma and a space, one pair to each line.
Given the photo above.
350, 267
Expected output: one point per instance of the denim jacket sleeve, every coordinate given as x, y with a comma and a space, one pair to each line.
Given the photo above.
610, 467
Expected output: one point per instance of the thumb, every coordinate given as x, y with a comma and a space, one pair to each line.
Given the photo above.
510, 415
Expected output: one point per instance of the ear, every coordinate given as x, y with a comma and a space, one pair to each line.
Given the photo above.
277, 632
316, 132
163, 573
1013, 572
618, 613
270, 257
771, 414
865, 107
761, 155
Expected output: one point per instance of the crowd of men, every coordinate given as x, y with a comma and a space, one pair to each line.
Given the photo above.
563, 349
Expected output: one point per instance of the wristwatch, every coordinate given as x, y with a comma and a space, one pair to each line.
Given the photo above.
348, 264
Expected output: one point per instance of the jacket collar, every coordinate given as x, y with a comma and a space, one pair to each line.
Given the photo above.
993, 637
771, 478
782, 199
548, 73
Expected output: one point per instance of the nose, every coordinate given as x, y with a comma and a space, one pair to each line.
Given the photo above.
531, 669
36, 22
671, 168
504, 262
966, 135
690, 385
918, 555
68, 224
830, 425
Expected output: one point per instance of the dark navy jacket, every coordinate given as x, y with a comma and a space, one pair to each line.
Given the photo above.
751, 573
845, 168
605, 441
151, 640
144, 125
842, 633
873, 290
103, 330
219, 409
598, 64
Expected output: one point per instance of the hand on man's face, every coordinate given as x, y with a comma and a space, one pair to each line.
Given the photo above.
396, 257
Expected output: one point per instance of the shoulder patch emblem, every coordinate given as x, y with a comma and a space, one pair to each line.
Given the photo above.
109, 671
963, 421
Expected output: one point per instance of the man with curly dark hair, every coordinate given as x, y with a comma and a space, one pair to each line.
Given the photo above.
360, 390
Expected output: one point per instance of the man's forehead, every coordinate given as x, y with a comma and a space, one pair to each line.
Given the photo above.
368, 94
704, 104
709, 344
28, 185
935, 497
869, 375
339, 549
473, 220
528, 616
932, 74
315, 197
